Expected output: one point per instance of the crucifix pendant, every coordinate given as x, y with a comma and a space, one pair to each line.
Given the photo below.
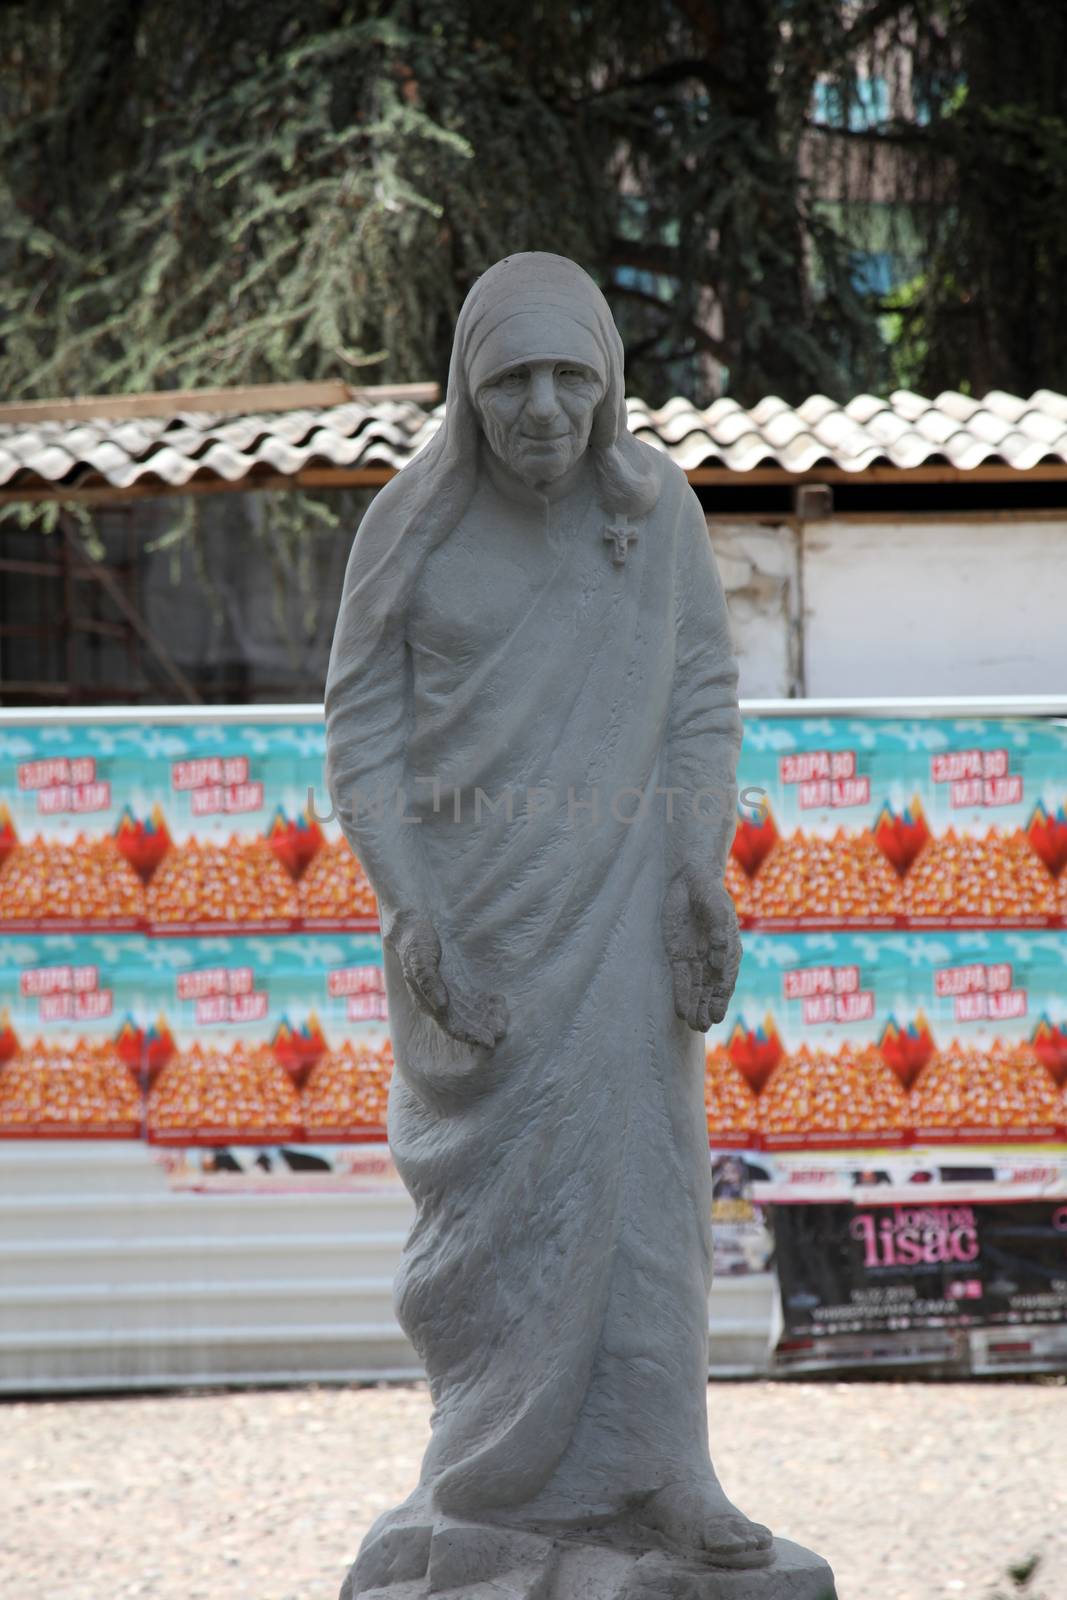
620, 534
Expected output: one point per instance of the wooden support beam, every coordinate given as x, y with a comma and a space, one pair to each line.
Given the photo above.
59, 624
93, 492
33, 569
249, 397
103, 494
105, 694
103, 629
40, 690
900, 477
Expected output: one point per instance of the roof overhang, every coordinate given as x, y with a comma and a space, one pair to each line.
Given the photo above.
98, 492
111, 450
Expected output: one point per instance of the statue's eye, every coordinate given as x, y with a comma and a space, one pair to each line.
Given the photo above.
573, 375
512, 380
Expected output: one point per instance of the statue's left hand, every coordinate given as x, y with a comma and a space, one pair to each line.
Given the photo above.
471, 1017
703, 945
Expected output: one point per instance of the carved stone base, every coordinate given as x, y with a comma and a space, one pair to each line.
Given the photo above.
450, 1560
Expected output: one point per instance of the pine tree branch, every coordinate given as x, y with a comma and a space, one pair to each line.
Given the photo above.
870, 23
645, 256
688, 329
890, 133
667, 76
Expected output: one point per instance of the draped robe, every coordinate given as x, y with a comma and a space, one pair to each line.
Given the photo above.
532, 701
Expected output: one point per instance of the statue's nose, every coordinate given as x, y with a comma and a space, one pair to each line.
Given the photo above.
542, 403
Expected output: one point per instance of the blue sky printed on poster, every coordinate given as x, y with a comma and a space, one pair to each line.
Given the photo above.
825, 989
209, 779
826, 772
211, 990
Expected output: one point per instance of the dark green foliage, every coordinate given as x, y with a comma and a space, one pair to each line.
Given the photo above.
256, 191
253, 191
994, 311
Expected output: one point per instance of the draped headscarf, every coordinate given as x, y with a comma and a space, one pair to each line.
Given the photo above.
421, 506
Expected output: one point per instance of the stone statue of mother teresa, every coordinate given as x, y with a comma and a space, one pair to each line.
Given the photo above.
532, 736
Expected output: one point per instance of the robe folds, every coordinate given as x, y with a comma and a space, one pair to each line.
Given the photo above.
539, 738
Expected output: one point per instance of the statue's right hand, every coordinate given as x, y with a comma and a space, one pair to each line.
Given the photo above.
474, 1019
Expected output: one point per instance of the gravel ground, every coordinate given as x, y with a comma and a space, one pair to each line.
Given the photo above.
912, 1491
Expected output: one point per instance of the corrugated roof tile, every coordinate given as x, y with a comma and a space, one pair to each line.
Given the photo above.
1020, 452
1049, 402
908, 405
887, 428
816, 407
136, 437
965, 452
1008, 406
936, 426
1040, 425
906, 431
767, 408
988, 427
862, 407
723, 407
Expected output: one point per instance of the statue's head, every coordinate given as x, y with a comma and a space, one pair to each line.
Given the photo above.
540, 362
536, 376
537, 367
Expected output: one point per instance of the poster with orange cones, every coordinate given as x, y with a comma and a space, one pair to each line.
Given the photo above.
222, 825
177, 827
884, 822
204, 1041
204, 826
275, 1039
853, 1040
65, 1071
233, 799
61, 863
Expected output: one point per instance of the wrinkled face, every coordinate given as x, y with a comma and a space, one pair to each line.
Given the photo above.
537, 416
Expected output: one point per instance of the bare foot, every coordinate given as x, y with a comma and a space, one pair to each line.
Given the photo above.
700, 1521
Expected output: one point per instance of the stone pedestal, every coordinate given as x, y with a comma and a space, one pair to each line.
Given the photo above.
469, 1561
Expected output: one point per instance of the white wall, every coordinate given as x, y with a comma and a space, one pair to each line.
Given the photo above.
109, 1278
946, 608
851, 609
758, 567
